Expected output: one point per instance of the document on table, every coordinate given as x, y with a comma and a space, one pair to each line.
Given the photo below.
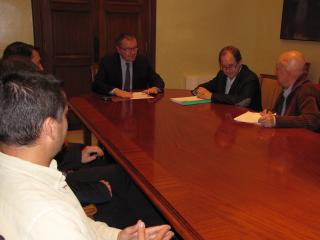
190, 100
140, 95
248, 117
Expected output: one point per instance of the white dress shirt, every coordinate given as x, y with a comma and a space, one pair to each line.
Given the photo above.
229, 84
37, 203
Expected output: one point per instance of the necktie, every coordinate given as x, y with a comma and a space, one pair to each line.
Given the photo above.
283, 109
127, 78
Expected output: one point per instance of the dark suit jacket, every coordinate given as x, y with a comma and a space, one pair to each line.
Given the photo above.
246, 85
69, 157
109, 75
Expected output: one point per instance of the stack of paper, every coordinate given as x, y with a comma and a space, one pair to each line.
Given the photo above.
190, 100
249, 117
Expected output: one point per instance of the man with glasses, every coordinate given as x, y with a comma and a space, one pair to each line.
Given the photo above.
125, 71
235, 83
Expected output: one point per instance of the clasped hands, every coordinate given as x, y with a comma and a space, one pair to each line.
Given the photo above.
140, 232
267, 119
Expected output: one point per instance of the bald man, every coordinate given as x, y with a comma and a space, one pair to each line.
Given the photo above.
298, 104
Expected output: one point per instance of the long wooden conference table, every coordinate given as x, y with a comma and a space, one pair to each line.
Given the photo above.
210, 176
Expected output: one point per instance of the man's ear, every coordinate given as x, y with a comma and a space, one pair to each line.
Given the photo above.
49, 129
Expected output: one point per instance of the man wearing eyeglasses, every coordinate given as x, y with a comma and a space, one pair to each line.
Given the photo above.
125, 71
235, 83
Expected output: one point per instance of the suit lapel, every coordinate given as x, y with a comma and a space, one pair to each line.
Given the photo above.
118, 70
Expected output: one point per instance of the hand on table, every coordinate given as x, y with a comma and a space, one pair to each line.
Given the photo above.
152, 90
121, 93
204, 93
267, 119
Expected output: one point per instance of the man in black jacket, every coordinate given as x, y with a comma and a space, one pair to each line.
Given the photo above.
125, 71
234, 84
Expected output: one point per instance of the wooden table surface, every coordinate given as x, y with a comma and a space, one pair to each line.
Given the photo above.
212, 177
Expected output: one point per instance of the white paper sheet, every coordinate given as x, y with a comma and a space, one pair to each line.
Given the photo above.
140, 95
248, 117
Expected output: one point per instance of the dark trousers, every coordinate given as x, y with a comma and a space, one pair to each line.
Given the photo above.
128, 203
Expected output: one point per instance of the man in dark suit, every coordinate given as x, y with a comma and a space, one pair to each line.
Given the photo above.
234, 84
126, 70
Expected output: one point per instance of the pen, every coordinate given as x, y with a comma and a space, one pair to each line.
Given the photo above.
194, 92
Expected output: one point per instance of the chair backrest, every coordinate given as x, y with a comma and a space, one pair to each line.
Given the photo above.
94, 69
270, 90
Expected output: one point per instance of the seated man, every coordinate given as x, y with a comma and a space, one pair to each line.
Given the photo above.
35, 201
92, 180
24, 50
126, 70
298, 104
234, 84
20, 56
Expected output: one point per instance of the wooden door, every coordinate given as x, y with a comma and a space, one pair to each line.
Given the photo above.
63, 32
132, 16
73, 34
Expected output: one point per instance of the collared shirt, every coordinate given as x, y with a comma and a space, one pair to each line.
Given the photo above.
229, 84
37, 203
123, 70
286, 93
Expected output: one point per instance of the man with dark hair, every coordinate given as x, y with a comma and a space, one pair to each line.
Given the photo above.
298, 106
126, 70
25, 50
35, 201
18, 48
234, 84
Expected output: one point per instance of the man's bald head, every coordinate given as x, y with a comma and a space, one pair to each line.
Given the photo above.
290, 66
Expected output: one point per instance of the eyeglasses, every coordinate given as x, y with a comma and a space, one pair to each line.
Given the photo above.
229, 67
129, 50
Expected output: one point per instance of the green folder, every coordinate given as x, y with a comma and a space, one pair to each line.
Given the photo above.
187, 103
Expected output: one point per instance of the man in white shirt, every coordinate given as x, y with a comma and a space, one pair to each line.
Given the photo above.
35, 201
